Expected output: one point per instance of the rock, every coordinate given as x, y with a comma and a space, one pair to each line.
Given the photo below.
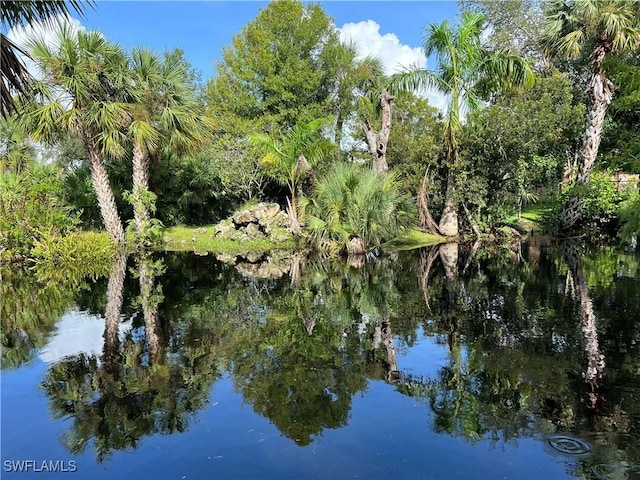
280, 220
253, 230
244, 217
265, 212
224, 228
253, 257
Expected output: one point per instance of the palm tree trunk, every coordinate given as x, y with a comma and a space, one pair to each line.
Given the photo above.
600, 93
106, 200
449, 222
140, 186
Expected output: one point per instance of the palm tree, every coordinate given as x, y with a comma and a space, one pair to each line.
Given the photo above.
466, 72
290, 158
356, 209
600, 28
164, 115
15, 77
79, 97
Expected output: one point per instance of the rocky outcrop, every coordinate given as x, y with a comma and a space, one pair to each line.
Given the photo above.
264, 220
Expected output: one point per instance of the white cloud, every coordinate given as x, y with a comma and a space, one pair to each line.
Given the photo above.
394, 55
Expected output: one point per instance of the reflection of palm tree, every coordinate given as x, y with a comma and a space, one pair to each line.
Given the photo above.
112, 311
150, 297
120, 400
594, 358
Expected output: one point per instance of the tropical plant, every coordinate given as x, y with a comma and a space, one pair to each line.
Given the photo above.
466, 72
81, 95
31, 205
356, 209
165, 115
15, 77
289, 158
598, 29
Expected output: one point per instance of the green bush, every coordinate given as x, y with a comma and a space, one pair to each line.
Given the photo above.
602, 202
74, 256
355, 202
31, 205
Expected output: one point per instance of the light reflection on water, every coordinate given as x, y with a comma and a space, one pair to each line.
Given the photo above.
399, 369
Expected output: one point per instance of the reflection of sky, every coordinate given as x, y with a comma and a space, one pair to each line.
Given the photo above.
77, 332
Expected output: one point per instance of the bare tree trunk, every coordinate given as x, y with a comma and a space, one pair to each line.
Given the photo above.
339, 125
594, 359
140, 186
449, 222
426, 220
600, 92
111, 349
378, 141
106, 200
472, 222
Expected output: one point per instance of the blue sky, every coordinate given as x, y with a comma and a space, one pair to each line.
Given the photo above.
202, 28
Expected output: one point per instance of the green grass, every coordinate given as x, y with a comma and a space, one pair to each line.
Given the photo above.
201, 239
413, 238
531, 219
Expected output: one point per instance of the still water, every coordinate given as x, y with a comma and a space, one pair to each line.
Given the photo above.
463, 362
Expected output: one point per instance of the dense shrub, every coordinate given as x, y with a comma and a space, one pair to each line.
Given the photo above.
31, 205
355, 202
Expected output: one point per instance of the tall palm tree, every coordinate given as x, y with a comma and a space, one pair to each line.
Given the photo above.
15, 77
466, 72
80, 97
165, 115
599, 28
289, 158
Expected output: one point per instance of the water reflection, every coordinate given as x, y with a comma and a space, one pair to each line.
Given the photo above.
524, 334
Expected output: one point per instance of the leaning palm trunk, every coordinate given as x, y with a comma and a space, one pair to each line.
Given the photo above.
106, 200
140, 187
600, 95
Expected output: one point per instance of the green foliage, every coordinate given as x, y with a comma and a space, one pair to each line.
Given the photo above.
279, 70
355, 202
415, 139
514, 150
630, 216
75, 255
291, 157
31, 206
603, 202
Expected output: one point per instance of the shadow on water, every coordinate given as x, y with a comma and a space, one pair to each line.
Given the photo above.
539, 342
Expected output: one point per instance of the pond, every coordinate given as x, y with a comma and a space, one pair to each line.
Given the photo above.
458, 362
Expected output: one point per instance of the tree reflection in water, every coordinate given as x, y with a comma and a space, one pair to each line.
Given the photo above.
133, 390
300, 349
